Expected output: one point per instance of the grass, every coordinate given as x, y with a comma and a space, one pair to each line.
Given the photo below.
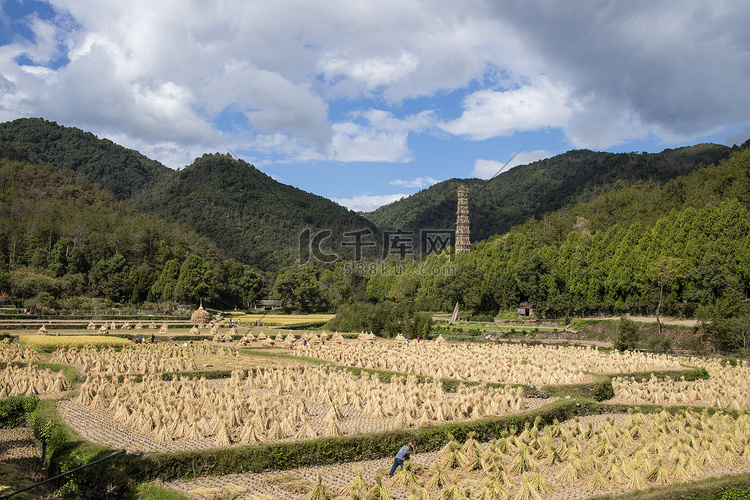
50, 342
497, 328
13, 478
152, 491
279, 319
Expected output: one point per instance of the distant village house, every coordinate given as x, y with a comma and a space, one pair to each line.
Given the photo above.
525, 309
267, 305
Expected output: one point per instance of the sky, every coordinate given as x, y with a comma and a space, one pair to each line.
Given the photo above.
366, 102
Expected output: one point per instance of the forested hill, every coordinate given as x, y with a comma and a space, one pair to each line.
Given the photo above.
100, 161
247, 214
680, 248
532, 190
66, 244
250, 216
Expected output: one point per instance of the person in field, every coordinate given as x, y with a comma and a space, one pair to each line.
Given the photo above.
402, 456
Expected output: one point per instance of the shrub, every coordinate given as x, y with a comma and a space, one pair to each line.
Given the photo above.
13, 410
604, 391
385, 319
629, 335
483, 318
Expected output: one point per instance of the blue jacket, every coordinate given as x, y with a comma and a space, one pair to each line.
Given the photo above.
403, 453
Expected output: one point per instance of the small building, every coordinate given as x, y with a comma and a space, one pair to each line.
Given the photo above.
525, 309
267, 305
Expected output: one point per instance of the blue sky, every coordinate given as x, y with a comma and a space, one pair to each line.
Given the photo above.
365, 102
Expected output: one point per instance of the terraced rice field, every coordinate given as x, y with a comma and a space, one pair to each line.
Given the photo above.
272, 399
647, 460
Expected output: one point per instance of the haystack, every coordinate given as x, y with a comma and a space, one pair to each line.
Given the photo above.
41, 330
200, 317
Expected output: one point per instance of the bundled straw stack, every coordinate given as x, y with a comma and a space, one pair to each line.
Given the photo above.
15, 381
285, 404
518, 364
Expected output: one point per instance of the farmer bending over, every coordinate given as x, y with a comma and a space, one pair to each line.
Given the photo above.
402, 455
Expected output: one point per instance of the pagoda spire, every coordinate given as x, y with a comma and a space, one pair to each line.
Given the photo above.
463, 240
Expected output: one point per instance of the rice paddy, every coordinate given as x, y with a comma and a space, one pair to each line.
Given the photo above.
46, 342
122, 401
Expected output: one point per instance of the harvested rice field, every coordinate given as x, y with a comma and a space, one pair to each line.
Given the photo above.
272, 405
276, 393
280, 320
504, 363
726, 387
589, 456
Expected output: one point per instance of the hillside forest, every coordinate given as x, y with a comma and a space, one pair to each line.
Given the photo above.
663, 235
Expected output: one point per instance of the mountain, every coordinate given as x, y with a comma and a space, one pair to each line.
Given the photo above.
544, 186
249, 215
100, 161
681, 248
67, 244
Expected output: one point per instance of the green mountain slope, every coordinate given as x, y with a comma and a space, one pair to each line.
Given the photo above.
120, 170
247, 214
250, 216
532, 190
681, 247
66, 244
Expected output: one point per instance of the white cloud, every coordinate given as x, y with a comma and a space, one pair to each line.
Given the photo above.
369, 73
382, 137
489, 113
486, 169
419, 182
368, 203
353, 142
671, 69
161, 73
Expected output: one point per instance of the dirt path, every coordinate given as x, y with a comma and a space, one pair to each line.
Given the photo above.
648, 319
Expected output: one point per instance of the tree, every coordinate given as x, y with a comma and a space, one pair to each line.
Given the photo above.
112, 277
665, 271
140, 279
629, 335
163, 287
248, 285
195, 281
531, 278
297, 288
